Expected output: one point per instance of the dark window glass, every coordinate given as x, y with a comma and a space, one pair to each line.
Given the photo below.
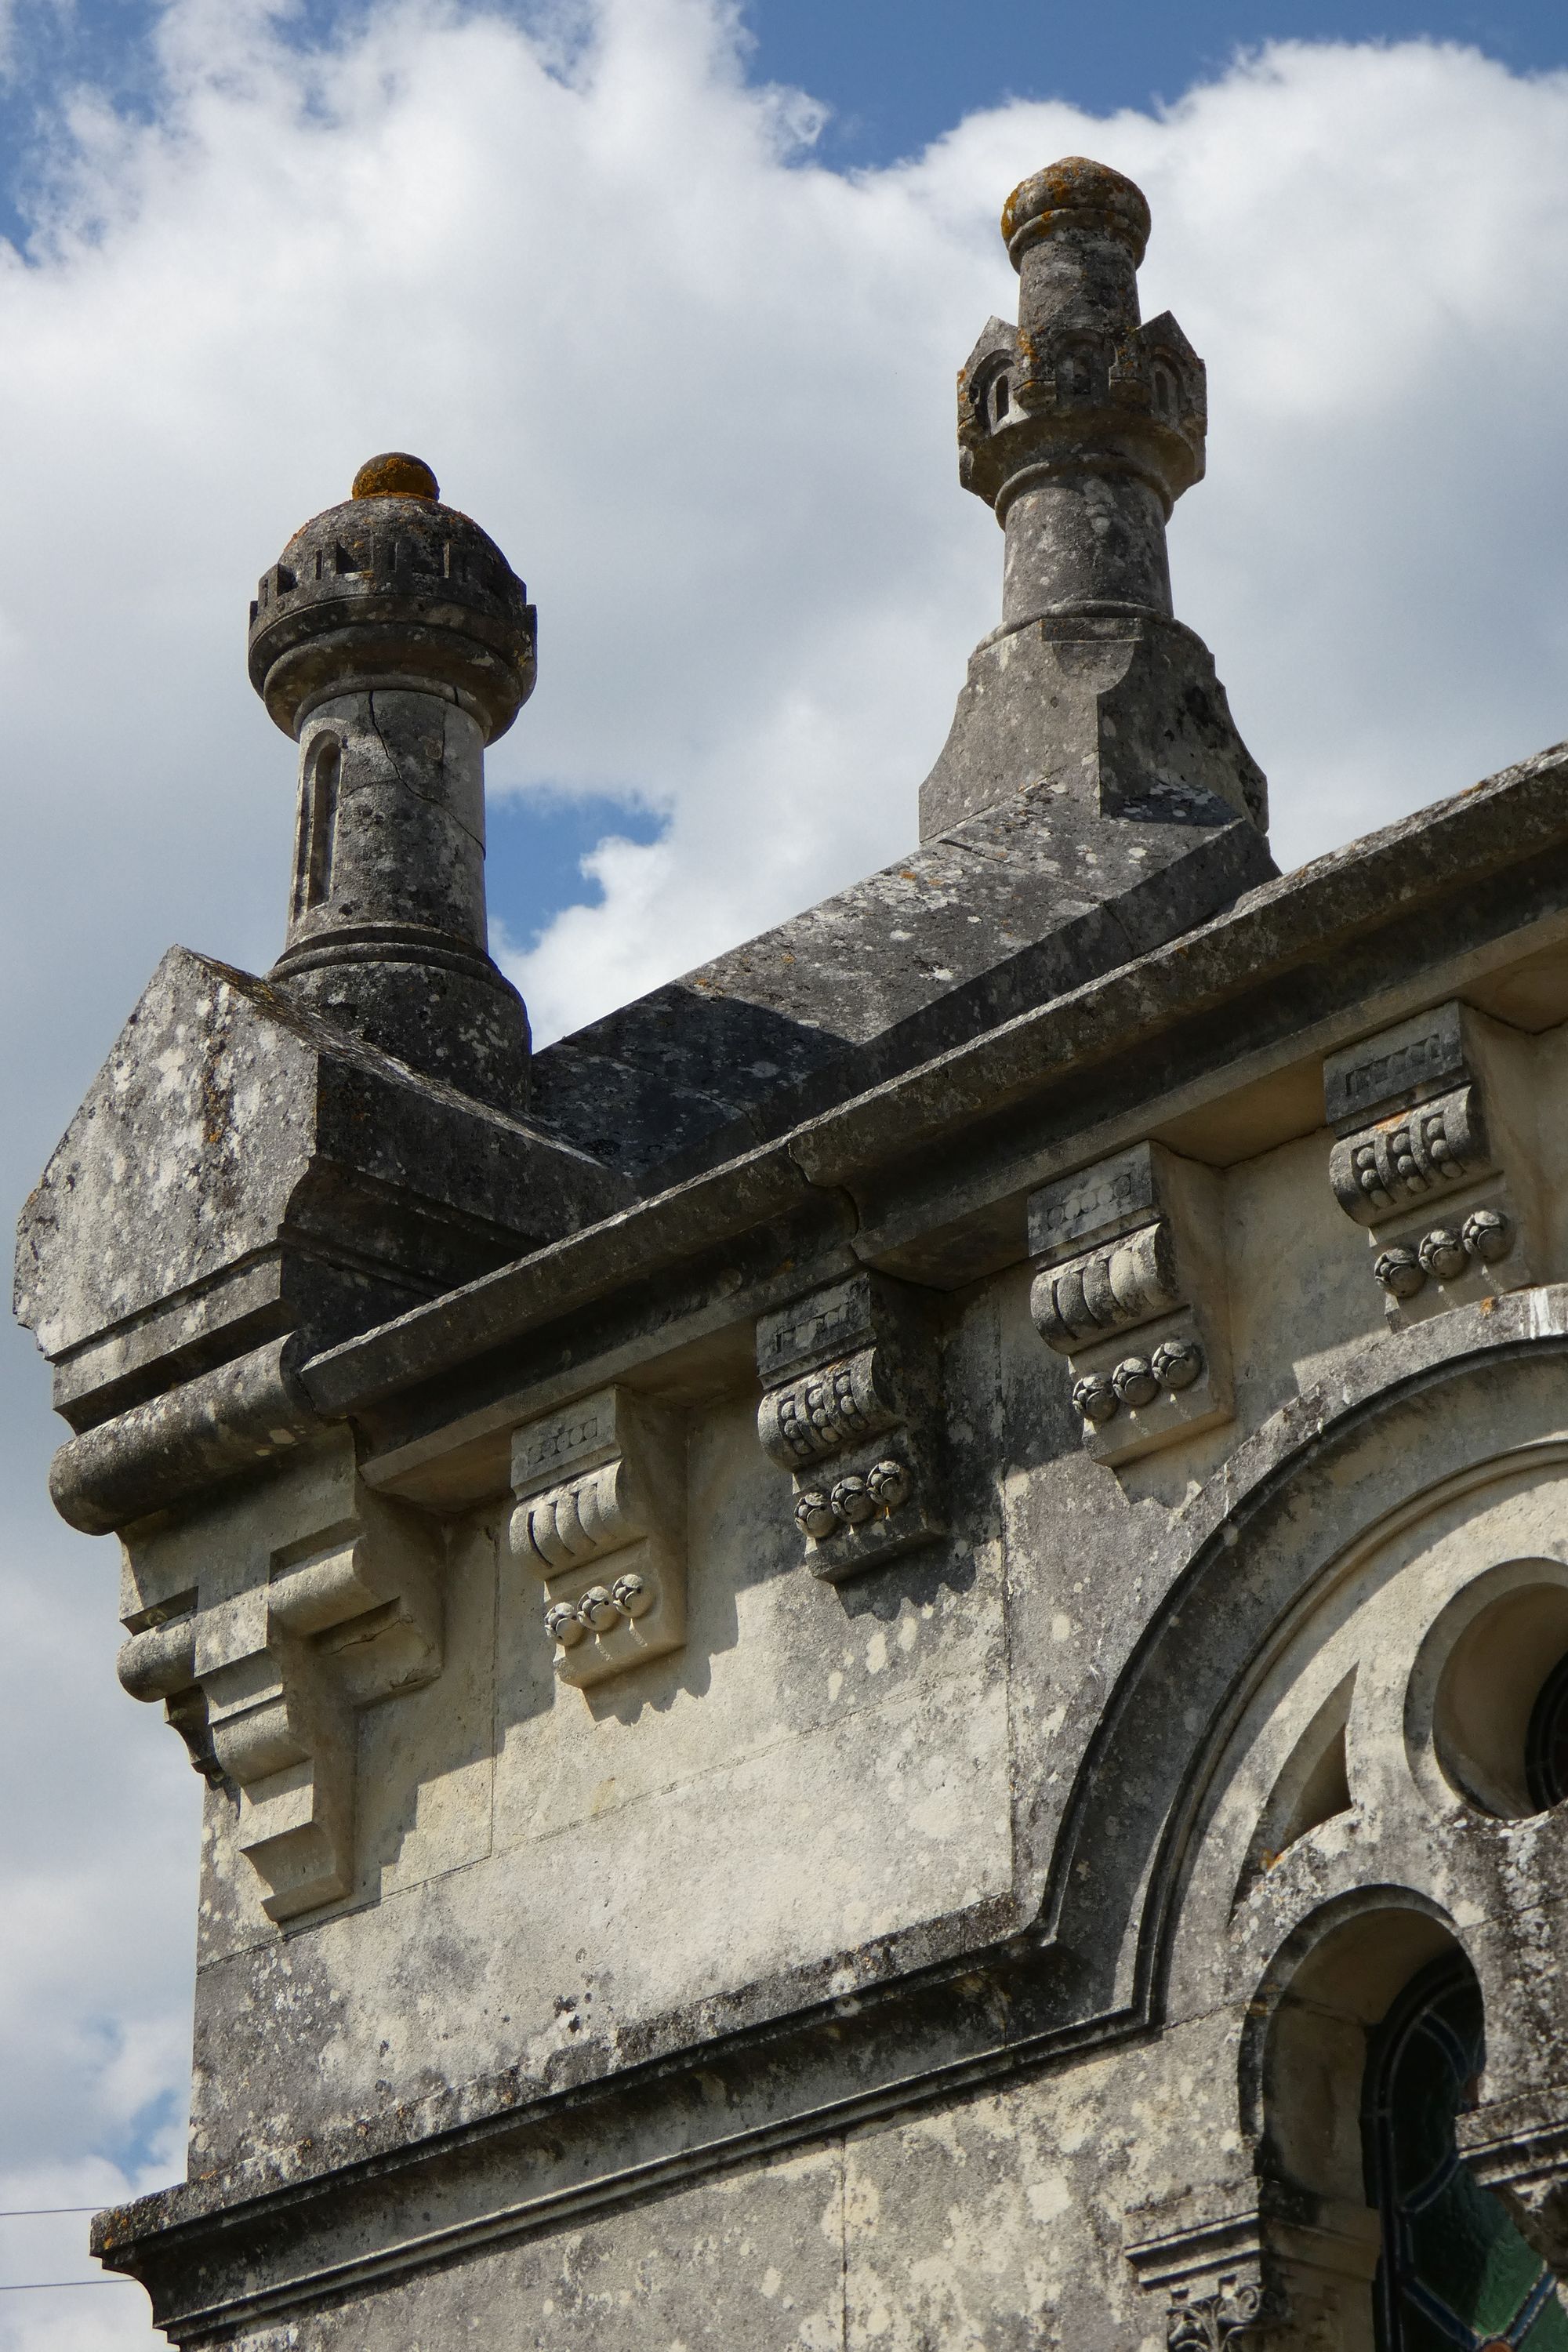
1546, 1757
1455, 2270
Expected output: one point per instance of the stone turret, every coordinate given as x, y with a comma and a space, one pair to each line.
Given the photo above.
264, 1167
1081, 426
394, 641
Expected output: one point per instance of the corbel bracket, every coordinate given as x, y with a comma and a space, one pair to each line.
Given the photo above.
601, 1520
1422, 1159
1130, 1286
263, 1651
852, 1409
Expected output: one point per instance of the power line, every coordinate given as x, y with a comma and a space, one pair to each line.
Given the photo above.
36, 2212
52, 2286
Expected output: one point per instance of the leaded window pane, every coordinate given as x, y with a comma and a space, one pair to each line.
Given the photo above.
1455, 2269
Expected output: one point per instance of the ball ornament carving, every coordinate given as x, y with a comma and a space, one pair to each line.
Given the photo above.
1177, 1363
1096, 1398
815, 1515
1134, 1381
852, 1501
1489, 1234
887, 1484
562, 1624
1442, 1253
1400, 1271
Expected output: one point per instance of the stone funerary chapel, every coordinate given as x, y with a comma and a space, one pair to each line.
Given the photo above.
880, 1650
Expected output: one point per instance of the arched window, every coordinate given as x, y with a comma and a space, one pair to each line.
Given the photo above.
1546, 1743
317, 826
1455, 2270
1001, 400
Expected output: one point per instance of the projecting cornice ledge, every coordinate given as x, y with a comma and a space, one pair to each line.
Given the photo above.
221, 1424
928, 1175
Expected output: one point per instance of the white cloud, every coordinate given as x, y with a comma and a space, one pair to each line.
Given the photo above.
701, 389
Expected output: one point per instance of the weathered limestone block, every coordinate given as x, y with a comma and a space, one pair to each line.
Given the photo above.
601, 1520
851, 1408
1436, 1158
1135, 1245
264, 1620
242, 1168
1122, 713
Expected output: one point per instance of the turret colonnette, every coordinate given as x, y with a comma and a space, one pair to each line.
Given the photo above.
393, 640
1081, 426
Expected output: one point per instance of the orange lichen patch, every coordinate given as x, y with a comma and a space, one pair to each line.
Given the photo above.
395, 475
1075, 189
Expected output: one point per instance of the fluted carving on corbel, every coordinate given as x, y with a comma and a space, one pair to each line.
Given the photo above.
1419, 1163
1130, 1288
263, 1624
599, 1520
851, 1408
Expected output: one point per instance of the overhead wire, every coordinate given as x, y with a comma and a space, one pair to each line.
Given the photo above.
53, 2286
36, 2212
50, 2286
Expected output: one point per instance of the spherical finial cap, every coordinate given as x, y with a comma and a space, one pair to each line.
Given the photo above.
394, 475
1075, 192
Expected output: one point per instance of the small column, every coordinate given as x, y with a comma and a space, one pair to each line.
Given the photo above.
1080, 427
1103, 427
394, 641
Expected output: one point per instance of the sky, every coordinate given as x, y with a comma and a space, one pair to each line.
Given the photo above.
671, 296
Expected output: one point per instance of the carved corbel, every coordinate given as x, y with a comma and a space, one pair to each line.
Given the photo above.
600, 1520
1518, 2148
262, 1652
1130, 1288
1261, 2258
1431, 1159
851, 1408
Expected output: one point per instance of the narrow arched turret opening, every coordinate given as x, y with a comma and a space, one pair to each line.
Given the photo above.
318, 824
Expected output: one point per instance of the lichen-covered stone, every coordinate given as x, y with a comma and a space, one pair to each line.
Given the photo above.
1061, 1349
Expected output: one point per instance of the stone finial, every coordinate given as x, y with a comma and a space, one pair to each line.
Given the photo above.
1075, 195
1080, 427
394, 641
394, 475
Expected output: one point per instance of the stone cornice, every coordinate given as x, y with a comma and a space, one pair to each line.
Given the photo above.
1315, 958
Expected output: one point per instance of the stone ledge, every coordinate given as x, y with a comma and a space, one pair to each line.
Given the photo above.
1267, 937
